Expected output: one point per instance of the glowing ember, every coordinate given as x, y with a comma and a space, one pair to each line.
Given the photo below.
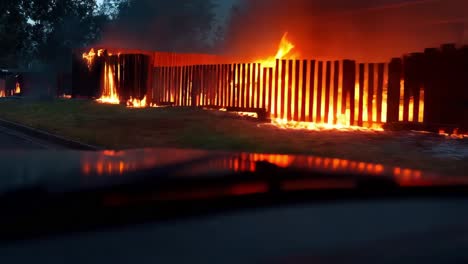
136, 103
247, 114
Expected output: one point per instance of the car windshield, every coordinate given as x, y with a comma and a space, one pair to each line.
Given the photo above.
266, 96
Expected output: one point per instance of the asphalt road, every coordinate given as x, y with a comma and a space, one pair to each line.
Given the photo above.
10, 139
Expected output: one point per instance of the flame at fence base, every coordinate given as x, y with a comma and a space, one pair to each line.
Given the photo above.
136, 103
455, 134
285, 124
17, 88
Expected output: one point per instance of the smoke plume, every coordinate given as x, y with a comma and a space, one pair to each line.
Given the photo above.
370, 30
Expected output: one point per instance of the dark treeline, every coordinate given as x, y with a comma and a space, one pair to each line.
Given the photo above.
40, 34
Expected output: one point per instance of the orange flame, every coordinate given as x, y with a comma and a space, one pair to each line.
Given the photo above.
137, 103
285, 51
17, 88
339, 120
109, 93
89, 57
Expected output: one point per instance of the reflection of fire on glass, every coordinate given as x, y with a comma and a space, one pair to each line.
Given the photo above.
111, 162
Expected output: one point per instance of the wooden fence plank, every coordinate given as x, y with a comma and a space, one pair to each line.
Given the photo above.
176, 85
395, 71
450, 109
336, 84
258, 87
327, 91
238, 85
270, 87
318, 118
370, 92
304, 91
156, 81
191, 97
213, 86
289, 90
430, 83
407, 74
297, 71
418, 84
206, 84
164, 84
223, 86
229, 84
243, 85
253, 93
311, 90
380, 85
172, 87
184, 97
349, 81
219, 85
264, 88
283, 91
195, 73
276, 97
361, 94
248, 87
464, 96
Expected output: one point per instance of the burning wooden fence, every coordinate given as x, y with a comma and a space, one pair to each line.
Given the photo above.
294, 90
424, 91
110, 77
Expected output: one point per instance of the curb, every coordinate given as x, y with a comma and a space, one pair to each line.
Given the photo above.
46, 136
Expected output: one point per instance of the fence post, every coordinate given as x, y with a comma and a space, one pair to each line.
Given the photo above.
336, 83
297, 70
349, 81
319, 77
259, 91
395, 71
361, 94
276, 97
289, 90
327, 91
282, 113
270, 87
370, 93
312, 90
304, 90
380, 84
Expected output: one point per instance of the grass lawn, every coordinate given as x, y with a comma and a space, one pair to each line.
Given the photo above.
117, 127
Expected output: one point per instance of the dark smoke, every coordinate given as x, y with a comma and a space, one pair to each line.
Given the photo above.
175, 25
371, 30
